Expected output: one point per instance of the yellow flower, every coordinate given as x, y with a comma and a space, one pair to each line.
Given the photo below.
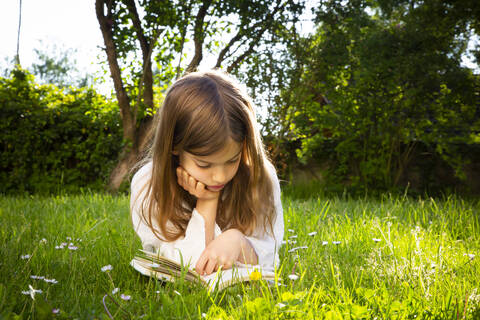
255, 275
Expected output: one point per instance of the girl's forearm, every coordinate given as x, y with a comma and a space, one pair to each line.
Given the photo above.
208, 210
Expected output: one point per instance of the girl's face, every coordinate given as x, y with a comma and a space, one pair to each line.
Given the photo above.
215, 170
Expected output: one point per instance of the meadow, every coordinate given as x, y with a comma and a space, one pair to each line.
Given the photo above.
391, 257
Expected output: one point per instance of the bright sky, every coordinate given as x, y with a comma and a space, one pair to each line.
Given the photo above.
68, 24
65, 23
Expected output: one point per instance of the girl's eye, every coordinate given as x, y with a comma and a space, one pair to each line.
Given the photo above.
203, 166
233, 161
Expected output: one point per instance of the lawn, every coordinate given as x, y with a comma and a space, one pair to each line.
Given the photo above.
387, 258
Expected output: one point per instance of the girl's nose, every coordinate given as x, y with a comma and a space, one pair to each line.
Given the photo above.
219, 175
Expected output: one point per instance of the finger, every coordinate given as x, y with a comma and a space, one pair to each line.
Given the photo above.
211, 265
200, 266
192, 183
200, 187
185, 178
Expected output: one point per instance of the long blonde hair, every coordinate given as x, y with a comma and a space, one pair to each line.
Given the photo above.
199, 112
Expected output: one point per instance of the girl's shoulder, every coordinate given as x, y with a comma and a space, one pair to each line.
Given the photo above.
271, 171
142, 175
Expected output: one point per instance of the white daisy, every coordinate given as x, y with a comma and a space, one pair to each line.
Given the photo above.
292, 277
125, 297
470, 255
31, 291
50, 281
311, 234
106, 268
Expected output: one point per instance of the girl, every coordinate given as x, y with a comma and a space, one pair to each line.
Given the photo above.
206, 195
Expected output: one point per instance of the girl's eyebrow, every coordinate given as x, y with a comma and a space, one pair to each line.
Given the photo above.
203, 161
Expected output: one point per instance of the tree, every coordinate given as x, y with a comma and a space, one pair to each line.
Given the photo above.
57, 66
163, 31
377, 79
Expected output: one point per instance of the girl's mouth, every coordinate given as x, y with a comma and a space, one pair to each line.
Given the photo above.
216, 188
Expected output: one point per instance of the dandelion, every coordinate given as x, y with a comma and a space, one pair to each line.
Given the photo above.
255, 275
204, 315
43, 241
59, 247
125, 297
280, 305
158, 291
106, 268
336, 242
376, 240
115, 291
292, 277
31, 291
55, 311
324, 243
50, 281
37, 277
177, 293
25, 256
311, 234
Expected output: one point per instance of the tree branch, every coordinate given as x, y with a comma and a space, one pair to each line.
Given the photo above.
266, 24
184, 32
199, 36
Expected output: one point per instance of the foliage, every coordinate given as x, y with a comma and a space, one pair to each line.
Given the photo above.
368, 89
148, 43
390, 258
54, 139
56, 66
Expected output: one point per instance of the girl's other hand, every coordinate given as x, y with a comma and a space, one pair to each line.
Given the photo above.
194, 187
223, 251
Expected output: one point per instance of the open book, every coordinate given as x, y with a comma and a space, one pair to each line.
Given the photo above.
154, 265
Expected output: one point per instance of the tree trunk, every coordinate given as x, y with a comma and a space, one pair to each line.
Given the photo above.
129, 154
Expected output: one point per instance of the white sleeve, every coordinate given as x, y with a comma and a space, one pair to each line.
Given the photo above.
266, 246
186, 249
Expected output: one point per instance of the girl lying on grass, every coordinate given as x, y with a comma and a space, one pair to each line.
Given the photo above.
207, 193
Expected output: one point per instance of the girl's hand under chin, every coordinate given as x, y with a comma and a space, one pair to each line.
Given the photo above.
194, 187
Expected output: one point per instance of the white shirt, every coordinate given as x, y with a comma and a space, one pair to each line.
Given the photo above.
188, 249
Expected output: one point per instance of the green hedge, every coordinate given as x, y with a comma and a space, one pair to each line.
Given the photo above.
55, 140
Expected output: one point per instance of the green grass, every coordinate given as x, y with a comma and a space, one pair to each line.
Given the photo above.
420, 268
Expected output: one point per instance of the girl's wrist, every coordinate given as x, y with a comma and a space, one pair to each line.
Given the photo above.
207, 208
